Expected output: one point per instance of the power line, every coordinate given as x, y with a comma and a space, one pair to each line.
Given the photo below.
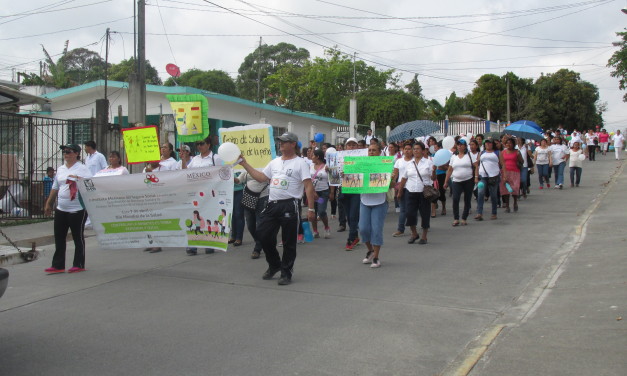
166, 33
64, 30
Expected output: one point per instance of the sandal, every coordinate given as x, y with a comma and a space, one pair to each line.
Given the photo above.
413, 239
478, 217
231, 241
443, 212
464, 223
237, 243
515, 207
507, 209
455, 223
493, 216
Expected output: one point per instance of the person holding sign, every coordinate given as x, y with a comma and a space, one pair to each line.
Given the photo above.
69, 213
288, 176
373, 209
205, 158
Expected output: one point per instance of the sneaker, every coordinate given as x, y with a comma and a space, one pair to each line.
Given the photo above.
341, 229
269, 274
548, 185
355, 242
349, 246
316, 234
561, 186
398, 234
556, 187
255, 255
301, 239
54, 270
284, 281
375, 263
398, 210
541, 187
368, 259
76, 269
327, 233
191, 251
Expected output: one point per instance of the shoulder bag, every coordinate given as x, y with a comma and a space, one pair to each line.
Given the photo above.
429, 192
491, 179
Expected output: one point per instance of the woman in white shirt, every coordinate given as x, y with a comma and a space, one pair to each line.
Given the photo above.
559, 156
461, 169
397, 175
488, 169
543, 161
115, 166
591, 142
320, 181
69, 213
576, 165
372, 211
619, 143
419, 173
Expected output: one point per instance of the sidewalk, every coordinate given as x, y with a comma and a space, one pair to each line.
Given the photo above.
578, 325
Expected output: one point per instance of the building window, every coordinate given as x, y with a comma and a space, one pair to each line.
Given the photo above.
79, 131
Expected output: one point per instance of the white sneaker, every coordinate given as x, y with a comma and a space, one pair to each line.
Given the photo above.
327, 233
375, 263
398, 210
368, 259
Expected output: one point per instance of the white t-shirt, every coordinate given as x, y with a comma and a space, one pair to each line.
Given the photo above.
462, 168
489, 162
414, 184
619, 141
542, 155
574, 161
401, 165
111, 172
179, 164
321, 180
558, 152
64, 202
208, 161
95, 162
523, 154
286, 178
372, 199
590, 138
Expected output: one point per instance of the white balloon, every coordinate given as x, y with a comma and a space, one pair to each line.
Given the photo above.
467, 139
582, 157
432, 149
331, 151
448, 142
229, 152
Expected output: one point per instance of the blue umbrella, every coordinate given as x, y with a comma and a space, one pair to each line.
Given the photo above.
413, 129
529, 123
524, 131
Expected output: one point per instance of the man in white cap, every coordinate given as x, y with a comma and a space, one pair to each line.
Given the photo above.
288, 176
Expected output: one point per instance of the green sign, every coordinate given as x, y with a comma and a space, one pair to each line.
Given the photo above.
367, 174
142, 226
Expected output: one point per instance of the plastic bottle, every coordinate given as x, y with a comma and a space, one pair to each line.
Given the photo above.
509, 188
307, 231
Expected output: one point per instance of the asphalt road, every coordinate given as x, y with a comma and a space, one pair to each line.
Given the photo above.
426, 311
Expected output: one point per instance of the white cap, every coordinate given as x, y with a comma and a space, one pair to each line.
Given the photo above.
352, 139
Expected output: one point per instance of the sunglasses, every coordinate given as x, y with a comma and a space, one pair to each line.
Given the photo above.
68, 151
198, 143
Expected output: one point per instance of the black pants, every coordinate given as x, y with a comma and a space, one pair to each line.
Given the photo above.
464, 187
64, 221
253, 217
416, 203
441, 180
281, 214
592, 152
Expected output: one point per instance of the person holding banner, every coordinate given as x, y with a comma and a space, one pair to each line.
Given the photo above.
115, 166
350, 202
205, 158
373, 209
418, 173
288, 176
69, 213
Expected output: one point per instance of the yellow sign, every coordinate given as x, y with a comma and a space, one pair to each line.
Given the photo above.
255, 141
188, 118
141, 144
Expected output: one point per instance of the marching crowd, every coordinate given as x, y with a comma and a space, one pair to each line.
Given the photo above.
480, 169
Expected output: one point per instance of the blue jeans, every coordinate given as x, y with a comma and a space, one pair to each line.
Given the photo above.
238, 222
351, 207
493, 191
321, 207
371, 219
543, 173
575, 171
403, 213
524, 173
558, 170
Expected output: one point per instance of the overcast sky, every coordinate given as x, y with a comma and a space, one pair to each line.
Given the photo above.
449, 43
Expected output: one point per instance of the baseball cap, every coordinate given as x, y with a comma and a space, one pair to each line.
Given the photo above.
184, 147
288, 137
352, 139
74, 147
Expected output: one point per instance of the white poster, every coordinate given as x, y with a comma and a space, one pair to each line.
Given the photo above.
161, 209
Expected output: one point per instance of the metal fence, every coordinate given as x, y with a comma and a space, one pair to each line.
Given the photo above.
30, 144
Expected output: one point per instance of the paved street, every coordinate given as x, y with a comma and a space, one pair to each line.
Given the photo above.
540, 291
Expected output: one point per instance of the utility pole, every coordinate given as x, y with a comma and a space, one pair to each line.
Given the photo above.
141, 56
134, 31
106, 72
259, 72
352, 110
509, 121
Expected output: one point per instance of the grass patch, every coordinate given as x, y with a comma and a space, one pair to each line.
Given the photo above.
19, 222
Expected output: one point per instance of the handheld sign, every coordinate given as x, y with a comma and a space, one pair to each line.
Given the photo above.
141, 144
190, 115
256, 143
367, 174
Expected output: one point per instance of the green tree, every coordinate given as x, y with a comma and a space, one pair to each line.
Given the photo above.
562, 98
414, 87
122, 72
618, 61
82, 66
384, 107
434, 110
265, 61
455, 105
489, 94
321, 84
213, 80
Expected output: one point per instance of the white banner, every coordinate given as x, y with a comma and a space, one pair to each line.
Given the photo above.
161, 209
